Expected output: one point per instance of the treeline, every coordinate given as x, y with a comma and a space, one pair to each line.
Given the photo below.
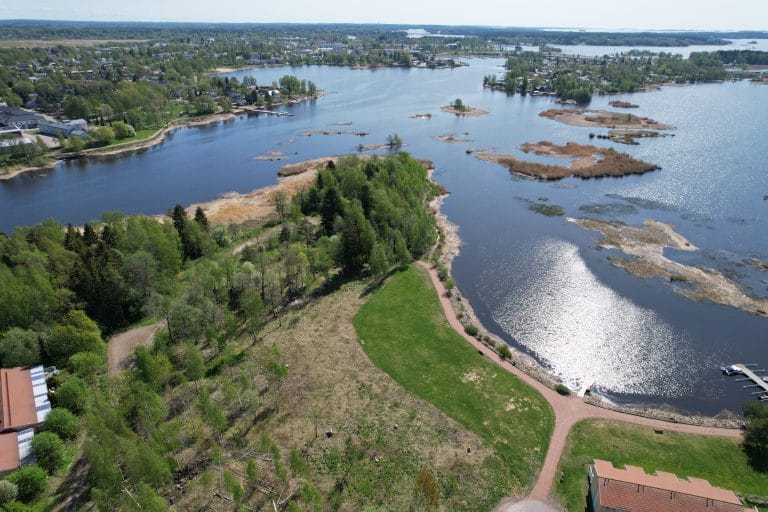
181, 411
578, 78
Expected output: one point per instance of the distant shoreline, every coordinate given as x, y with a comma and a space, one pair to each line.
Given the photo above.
153, 140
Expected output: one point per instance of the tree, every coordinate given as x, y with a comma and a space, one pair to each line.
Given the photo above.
329, 209
19, 347
280, 201
394, 141
63, 423
357, 239
76, 144
123, 130
30, 481
201, 219
73, 395
48, 449
76, 107
755, 442
103, 136
76, 333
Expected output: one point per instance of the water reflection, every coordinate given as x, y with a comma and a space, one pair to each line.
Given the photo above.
584, 330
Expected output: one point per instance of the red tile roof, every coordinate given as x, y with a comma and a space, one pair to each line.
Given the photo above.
633, 490
9, 452
17, 399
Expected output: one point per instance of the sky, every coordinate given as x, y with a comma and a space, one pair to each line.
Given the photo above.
593, 14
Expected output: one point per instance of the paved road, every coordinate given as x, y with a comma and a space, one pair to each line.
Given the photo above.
568, 410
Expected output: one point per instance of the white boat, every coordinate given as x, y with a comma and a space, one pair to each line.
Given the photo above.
731, 370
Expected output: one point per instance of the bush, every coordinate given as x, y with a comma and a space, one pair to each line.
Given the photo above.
504, 351
73, 395
103, 136
8, 492
48, 449
563, 389
472, 330
63, 423
30, 481
122, 130
87, 365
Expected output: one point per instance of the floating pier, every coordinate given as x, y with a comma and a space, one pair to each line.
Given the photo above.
751, 375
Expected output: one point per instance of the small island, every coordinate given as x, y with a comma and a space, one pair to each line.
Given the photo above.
588, 162
623, 104
602, 119
646, 247
459, 108
630, 137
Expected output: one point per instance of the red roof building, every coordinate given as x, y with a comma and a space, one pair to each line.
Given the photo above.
633, 490
23, 405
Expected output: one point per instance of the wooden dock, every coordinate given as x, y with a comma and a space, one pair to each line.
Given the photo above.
757, 381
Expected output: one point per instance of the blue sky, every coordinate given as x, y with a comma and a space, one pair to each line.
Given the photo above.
601, 14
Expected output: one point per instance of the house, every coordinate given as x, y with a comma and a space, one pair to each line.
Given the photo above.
78, 128
633, 490
14, 117
23, 406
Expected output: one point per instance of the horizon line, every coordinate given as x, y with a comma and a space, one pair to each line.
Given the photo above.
392, 24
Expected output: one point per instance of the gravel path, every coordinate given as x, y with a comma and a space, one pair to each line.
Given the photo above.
121, 346
569, 410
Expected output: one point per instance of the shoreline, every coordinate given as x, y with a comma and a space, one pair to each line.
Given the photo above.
155, 139
532, 368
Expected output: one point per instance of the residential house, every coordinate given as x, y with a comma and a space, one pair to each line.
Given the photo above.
23, 406
633, 490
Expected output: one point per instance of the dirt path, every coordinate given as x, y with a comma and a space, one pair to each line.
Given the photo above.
121, 346
569, 410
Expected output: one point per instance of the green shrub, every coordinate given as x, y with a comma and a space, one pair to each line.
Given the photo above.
504, 351
63, 423
30, 481
563, 389
472, 330
8, 492
48, 449
73, 395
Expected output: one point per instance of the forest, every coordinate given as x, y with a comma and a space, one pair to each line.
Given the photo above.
66, 289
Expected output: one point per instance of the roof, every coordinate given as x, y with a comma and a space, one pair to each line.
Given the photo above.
9, 452
14, 115
633, 490
18, 407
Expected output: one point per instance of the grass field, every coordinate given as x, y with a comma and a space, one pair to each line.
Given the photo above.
403, 330
718, 460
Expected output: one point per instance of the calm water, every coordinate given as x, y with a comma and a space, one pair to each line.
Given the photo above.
538, 282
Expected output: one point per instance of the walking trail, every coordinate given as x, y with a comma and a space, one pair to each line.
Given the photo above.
121, 346
568, 410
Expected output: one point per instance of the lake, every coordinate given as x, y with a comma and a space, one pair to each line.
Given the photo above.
539, 282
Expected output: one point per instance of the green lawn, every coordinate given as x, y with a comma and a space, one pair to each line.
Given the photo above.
140, 136
718, 460
403, 330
